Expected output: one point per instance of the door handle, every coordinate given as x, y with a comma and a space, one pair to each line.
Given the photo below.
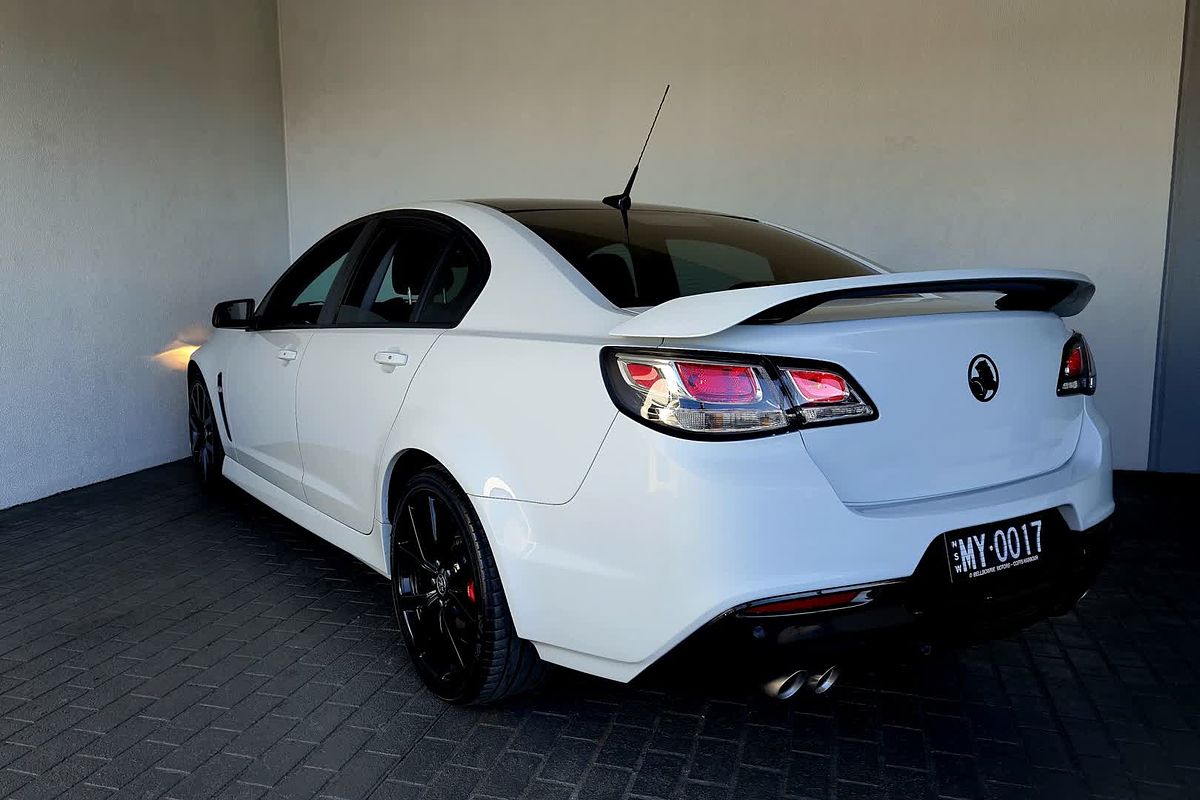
286, 354
389, 359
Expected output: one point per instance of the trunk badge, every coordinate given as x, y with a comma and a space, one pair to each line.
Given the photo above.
983, 377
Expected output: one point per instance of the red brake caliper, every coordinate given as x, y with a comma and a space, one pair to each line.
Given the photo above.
471, 591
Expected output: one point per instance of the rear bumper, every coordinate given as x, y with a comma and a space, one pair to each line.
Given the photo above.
666, 535
924, 608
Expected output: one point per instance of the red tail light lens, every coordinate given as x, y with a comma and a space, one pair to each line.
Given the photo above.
643, 375
816, 386
719, 383
1077, 374
1073, 368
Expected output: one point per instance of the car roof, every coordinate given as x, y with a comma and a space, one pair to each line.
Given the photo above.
512, 205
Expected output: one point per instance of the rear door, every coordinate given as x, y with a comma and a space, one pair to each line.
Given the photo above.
418, 275
259, 383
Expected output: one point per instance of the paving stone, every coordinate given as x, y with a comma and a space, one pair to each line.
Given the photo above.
155, 642
510, 775
658, 775
358, 777
568, 760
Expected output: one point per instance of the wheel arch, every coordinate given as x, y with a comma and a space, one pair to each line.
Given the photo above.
400, 469
196, 371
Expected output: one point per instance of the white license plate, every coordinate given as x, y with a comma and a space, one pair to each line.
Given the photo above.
999, 549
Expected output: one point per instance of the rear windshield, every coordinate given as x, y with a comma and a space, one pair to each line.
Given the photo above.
671, 254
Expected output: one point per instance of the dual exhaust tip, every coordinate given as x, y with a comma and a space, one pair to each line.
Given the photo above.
788, 686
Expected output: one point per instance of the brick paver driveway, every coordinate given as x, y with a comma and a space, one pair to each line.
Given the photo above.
157, 643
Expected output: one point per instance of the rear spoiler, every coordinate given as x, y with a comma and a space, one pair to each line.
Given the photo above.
1064, 293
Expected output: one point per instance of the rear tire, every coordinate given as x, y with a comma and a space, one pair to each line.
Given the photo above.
449, 602
208, 455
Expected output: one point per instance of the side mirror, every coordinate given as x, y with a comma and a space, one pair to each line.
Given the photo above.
233, 314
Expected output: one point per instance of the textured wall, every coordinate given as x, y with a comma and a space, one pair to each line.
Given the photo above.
141, 180
922, 134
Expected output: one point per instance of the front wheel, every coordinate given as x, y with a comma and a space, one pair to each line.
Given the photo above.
207, 452
449, 602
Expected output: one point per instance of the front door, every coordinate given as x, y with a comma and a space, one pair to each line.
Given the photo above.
260, 381
415, 279
260, 397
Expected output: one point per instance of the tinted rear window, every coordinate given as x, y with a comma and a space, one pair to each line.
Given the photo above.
670, 254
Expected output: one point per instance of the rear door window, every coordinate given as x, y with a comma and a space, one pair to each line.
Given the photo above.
393, 277
414, 272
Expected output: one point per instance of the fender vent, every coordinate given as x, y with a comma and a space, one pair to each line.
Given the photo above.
221, 402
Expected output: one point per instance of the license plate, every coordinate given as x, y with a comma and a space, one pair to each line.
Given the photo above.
1002, 548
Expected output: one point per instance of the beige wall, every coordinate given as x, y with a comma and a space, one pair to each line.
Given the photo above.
141, 180
921, 134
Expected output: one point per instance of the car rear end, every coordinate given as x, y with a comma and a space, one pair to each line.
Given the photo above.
837, 465
889, 493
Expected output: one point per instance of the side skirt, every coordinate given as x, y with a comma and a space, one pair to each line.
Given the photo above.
366, 547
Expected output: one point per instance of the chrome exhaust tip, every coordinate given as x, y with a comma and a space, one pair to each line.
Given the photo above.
786, 686
820, 684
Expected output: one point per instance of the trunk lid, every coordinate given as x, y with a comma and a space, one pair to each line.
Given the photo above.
912, 355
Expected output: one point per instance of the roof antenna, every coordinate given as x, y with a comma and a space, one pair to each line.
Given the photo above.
621, 201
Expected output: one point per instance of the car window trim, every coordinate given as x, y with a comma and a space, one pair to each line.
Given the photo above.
383, 226
427, 286
341, 283
455, 232
367, 224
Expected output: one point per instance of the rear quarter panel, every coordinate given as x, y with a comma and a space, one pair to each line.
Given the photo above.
510, 416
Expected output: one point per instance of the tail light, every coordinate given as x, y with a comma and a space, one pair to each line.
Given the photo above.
1077, 373
706, 395
826, 396
697, 396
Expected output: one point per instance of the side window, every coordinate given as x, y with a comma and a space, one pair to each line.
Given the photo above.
458, 281
395, 272
300, 295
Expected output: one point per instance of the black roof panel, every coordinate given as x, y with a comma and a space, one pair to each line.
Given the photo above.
513, 205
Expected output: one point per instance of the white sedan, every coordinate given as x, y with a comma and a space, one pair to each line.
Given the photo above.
575, 434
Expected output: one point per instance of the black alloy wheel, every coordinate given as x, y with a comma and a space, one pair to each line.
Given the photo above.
436, 592
449, 603
207, 451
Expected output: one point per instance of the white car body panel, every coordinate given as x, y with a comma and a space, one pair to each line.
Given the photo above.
261, 394
527, 442
615, 541
700, 553
345, 408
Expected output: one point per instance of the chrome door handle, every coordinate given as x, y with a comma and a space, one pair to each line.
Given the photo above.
286, 355
389, 359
